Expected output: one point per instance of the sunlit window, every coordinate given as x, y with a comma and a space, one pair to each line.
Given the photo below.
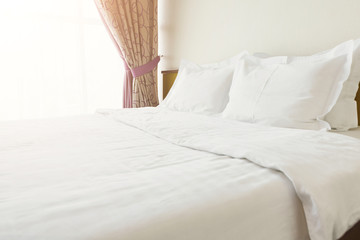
56, 59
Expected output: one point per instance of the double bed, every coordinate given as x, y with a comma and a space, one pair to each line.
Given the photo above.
163, 173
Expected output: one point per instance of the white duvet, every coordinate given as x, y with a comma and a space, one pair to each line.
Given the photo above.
154, 174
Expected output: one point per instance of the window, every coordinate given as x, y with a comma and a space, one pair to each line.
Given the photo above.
56, 59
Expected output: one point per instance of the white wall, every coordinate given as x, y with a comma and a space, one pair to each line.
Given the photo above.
211, 30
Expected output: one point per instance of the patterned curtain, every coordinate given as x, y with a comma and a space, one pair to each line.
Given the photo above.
133, 26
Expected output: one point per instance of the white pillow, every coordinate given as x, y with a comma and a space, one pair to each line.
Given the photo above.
202, 88
296, 94
343, 116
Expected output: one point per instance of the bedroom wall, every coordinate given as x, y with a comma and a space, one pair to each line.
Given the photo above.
210, 30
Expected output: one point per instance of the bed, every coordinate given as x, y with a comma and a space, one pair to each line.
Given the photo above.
158, 173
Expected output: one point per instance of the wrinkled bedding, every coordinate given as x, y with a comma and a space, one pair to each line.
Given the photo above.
323, 167
155, 174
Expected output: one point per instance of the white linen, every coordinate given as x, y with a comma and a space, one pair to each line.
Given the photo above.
343, 116
202, 88
355, 133
203, 91
93, 178
296, 94
346, 105
323, 167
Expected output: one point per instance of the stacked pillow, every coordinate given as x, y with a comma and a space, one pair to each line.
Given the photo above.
343, 115
296, 92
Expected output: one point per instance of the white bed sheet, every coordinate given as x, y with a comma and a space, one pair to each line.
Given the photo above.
355, 133
93, 178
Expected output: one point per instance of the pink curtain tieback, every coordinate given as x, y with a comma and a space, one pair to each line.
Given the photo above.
147, 67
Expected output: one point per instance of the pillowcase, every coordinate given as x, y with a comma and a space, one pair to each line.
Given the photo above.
202, 88
283, 93
343, 116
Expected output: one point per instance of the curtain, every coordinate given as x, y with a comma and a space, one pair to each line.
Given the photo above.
133, 26
56, 60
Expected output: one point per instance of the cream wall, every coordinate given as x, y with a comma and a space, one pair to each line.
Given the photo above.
210, 30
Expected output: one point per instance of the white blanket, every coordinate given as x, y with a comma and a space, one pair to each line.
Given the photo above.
323, 167
94, 178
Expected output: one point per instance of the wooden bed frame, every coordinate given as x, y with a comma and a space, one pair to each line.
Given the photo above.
168, 80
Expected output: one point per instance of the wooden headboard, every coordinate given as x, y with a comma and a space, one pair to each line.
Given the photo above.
170, 75
358, 104
168, 80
